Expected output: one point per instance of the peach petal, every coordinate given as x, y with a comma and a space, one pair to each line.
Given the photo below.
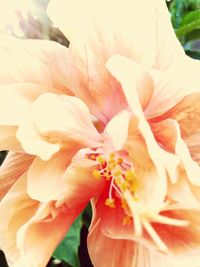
187, 114
37, 57
180, 149
16, 99
117, 129
16, 209
153, 258
33, 143
70, 119
81, 185
174, 86
116, 252
111, 219
193, 144
95, 85
54, 56
123, 69
8, 140
119, 35
20, 67
47, 227
168, 48
182, 195
14, 165
180, 240
46, 178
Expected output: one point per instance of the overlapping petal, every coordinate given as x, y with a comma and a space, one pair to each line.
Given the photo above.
16, 100
33, 61
121, 254
16, 209
46, 178
8, 140
128, 73
48, 227
172, 86
80, 184
12, 168
67, 125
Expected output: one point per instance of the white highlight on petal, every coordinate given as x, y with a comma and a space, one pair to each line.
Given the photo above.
170, 221
137, 223
161, 245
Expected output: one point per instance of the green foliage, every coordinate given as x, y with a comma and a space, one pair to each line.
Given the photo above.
185, 16
189, 23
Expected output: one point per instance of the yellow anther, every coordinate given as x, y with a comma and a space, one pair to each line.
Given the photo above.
123, 203
133, 187
100, 159
96, 174
124, 186
127, 220
130, 176
112, 156
110, 202
118, 172
112, 165
119, 161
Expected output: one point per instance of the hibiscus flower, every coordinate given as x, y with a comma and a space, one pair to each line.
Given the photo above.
113, 119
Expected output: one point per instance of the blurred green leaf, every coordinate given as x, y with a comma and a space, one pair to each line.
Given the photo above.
177, 10
185, 29
190, 17
194, 35
193, 54
180, 8
68, 248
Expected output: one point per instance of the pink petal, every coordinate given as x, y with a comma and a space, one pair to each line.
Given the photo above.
80, 184
95, 86
180, 240
107, 252
12, 168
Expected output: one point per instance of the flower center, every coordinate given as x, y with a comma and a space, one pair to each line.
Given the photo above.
123, 185
122, 182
